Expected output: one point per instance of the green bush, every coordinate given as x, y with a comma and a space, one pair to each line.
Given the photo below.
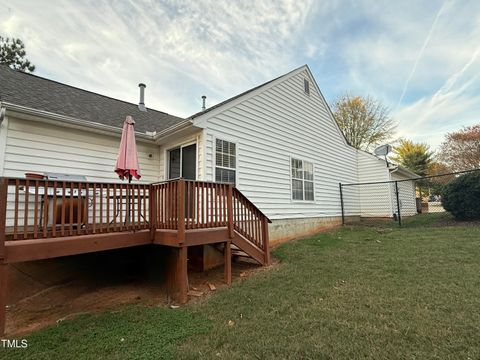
461, 197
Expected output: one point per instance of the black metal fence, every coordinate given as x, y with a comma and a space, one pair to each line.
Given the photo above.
394, 200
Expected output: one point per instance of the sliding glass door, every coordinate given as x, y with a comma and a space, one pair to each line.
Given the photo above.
182, 162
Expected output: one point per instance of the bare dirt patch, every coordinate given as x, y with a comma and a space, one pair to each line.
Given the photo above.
89, 294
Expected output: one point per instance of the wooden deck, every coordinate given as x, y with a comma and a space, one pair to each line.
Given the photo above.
41, 219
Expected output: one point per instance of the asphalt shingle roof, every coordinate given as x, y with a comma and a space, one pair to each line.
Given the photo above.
35, 92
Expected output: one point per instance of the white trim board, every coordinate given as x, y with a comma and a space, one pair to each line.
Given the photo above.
3, 143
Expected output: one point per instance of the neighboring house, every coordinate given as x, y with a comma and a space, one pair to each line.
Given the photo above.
278, 143
376, 196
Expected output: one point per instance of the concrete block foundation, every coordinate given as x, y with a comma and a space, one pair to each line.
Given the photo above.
287, 229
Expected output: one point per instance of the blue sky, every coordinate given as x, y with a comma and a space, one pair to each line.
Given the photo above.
420, 58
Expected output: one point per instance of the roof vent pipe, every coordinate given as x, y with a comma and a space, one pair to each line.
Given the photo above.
141, 104
204, 98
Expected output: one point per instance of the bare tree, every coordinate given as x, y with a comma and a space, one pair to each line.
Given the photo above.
461, 149
364, 121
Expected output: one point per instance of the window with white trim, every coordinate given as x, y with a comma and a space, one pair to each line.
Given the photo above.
225, 161
302, 180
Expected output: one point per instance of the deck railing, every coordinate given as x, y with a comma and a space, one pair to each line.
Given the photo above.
36, 209
249, 220
202, 204
48, 209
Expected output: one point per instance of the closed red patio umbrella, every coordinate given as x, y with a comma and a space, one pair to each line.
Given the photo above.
127, 159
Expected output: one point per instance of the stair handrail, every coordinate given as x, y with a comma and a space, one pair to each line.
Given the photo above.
236, 190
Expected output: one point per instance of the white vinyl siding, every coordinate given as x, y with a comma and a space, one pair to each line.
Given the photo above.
373, 200
406, 194
379, 199
38, 147
33, 146
272, 126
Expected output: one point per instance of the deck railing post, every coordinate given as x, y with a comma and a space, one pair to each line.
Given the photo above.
152, 210
230, 211
181, 210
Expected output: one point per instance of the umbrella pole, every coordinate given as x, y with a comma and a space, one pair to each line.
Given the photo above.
129, 197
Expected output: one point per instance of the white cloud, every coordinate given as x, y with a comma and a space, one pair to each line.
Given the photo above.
180, 49
422, 50
184, 49
376, 52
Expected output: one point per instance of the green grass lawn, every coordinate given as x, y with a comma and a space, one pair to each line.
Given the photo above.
361, 292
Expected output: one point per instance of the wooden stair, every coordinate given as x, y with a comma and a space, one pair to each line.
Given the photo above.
237, 252
250, 249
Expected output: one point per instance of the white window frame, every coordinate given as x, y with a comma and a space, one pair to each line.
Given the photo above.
214, 157
303, 180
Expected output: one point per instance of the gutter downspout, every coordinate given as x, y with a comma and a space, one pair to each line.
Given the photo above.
3, 110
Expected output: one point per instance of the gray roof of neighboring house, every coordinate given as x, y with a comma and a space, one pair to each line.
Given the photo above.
35, 92
406, 171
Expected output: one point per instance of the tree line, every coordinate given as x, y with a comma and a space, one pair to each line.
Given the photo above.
366, 123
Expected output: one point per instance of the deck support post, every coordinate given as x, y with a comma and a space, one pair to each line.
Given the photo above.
3, 296
227, 255
178, 275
